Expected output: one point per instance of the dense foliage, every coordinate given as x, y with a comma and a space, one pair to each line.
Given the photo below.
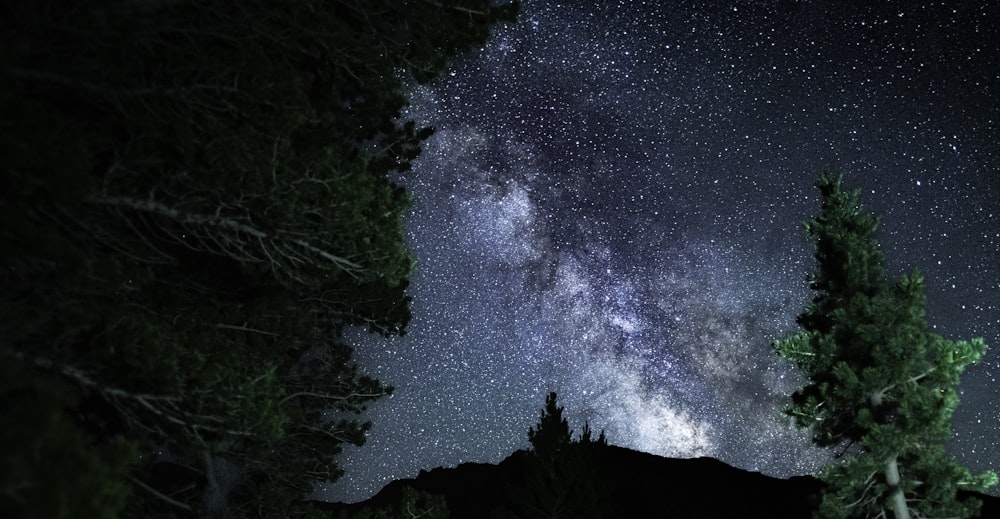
880, 382
196, 201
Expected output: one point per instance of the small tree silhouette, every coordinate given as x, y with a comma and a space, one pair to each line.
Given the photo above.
586, 437
564, 478
552, 434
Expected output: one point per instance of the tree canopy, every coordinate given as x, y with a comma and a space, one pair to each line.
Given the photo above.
197, 200
880, 383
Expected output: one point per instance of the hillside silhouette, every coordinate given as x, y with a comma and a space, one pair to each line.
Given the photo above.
636, 484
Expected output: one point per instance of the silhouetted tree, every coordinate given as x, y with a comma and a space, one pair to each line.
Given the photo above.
879, 379
587, 438
552, 433
562, 477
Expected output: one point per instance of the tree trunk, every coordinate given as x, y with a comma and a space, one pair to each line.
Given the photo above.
896, 497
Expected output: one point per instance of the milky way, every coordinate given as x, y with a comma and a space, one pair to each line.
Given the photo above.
610, 209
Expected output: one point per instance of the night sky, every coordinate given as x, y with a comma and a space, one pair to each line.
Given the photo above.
611, 209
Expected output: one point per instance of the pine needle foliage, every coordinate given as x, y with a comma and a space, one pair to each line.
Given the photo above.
881, 386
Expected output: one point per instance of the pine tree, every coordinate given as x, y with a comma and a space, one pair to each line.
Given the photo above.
561, 477
552, 433
880, 382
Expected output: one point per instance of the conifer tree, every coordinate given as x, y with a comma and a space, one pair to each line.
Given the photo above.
562, 477
552, 433
880, 383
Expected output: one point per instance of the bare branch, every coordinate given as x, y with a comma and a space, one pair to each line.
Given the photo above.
160, 495
326, 396
464, 10
236, 236
244, 328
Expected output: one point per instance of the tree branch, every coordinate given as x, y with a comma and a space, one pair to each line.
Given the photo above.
160, 495
460, 9
238, 238
244, 328
324, 396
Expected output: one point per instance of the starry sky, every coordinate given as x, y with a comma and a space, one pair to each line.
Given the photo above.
611, 209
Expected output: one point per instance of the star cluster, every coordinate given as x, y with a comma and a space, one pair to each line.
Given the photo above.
610, 209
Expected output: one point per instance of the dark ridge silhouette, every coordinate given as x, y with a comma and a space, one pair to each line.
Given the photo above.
637, 484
